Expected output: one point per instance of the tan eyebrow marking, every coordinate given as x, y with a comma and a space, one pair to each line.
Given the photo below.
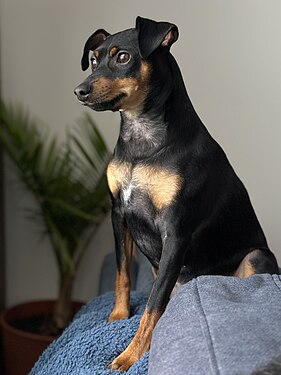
113, 51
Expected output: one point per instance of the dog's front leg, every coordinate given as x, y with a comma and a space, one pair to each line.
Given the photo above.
168, 272
124, 248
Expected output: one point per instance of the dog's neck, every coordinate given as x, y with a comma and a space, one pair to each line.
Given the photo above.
145, 134
142, 135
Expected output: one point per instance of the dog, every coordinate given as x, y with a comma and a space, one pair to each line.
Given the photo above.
174, 192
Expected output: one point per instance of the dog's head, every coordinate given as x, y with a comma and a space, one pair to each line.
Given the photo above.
122, 65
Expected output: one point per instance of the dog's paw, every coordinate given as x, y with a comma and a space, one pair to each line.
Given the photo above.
118, 314
123, 362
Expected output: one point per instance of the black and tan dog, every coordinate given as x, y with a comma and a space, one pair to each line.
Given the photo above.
174, 193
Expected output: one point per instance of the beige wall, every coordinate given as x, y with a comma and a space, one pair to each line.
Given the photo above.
230, 56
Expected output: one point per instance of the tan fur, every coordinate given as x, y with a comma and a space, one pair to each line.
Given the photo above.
140, 343
136, 90
245, 268
121, 308
161, 185
113, 51
118, 175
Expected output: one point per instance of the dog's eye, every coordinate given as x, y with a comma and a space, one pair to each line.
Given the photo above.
94, 63
123, 57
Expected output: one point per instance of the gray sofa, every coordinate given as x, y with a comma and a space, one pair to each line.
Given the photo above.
214, 325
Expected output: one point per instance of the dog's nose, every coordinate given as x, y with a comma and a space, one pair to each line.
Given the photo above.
82, 92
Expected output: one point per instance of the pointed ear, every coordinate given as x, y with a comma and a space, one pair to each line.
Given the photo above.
94, 41
155, 34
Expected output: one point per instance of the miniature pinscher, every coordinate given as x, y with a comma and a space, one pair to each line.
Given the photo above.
174, 192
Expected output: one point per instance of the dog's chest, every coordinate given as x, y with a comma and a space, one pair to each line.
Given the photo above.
130, 183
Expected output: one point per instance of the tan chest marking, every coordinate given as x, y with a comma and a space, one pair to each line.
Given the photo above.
161, 185
118, 176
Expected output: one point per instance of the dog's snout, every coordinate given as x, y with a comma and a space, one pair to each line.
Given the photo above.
82, 92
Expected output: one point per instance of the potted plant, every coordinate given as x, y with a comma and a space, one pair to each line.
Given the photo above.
69, 185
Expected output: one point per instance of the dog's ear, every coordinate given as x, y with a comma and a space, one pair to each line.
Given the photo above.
94, 41
154, 34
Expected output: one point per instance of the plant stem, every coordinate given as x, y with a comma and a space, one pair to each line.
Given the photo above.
62, 309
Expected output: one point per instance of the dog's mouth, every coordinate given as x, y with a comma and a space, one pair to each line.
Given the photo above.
99, 104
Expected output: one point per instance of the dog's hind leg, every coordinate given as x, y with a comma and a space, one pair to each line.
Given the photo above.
257, 261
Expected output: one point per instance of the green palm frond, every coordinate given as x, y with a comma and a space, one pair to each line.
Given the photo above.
68, 181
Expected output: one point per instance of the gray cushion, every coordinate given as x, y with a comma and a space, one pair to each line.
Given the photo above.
141, 275
145, 278
219, 325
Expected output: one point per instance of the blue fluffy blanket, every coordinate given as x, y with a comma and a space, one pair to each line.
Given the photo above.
90, 343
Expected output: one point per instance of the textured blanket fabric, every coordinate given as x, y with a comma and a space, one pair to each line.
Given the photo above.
215, 325
89, 344
219, 325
